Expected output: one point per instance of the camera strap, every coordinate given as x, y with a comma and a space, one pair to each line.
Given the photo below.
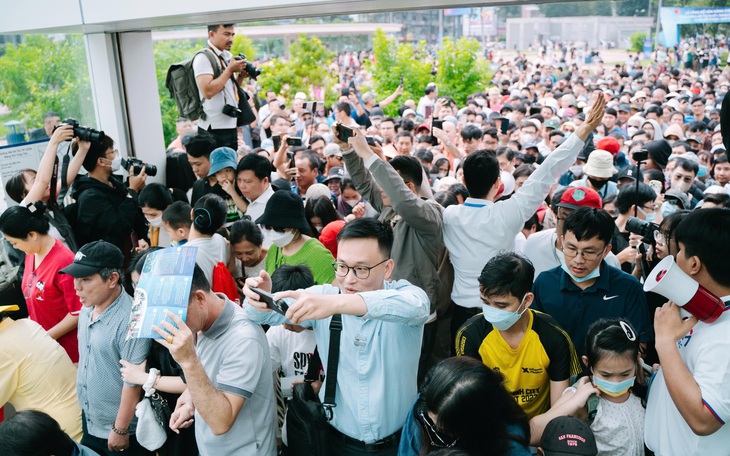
333, 359
223, 67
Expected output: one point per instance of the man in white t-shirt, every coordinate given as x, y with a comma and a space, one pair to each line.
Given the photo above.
291, 346
544, 248
689, 399
217, 92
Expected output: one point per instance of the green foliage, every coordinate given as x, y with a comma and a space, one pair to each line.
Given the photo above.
308, 65
637, 41
393, 61
461, 69
243, 45
41, 75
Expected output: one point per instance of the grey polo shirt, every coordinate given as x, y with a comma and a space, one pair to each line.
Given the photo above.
102, 343
235, 354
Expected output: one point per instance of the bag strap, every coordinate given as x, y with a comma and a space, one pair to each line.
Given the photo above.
333, 360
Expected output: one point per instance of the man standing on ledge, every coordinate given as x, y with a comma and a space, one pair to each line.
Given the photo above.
217, 92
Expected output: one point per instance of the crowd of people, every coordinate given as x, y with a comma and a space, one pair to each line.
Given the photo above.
472, 274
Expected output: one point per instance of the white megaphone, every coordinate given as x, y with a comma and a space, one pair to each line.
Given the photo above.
668, 280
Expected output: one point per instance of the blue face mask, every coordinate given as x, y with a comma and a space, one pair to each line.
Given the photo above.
668, 209
702, 172
648, 216
502, 320
614, 389
593, 274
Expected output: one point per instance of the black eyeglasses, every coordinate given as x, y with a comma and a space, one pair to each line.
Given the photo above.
434, 434
361, 272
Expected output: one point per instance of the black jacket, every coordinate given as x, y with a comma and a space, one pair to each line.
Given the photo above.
108, 213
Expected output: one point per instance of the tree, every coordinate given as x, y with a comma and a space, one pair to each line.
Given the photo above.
461, 69
637, 41
307, 70
392, 62
41, 75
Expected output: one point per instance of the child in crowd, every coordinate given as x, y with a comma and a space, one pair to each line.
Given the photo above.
176, 221
291, 346
223, 166
616, 415
153, 200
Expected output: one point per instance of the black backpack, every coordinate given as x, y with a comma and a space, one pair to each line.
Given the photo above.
183, 89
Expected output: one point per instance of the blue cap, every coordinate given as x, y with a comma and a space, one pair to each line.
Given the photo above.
221, 158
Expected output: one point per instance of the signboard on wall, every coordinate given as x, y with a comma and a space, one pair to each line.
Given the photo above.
671, 18
482, 22
15, 157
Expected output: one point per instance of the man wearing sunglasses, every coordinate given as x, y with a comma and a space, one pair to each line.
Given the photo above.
585, 288
382, 327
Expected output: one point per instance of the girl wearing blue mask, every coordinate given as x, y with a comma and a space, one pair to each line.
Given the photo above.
616, 407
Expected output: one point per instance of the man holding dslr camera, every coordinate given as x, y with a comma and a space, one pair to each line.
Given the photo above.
220, 94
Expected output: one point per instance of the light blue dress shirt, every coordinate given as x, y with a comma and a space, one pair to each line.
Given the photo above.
376, 375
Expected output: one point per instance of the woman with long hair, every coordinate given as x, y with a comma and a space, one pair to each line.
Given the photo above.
50, 296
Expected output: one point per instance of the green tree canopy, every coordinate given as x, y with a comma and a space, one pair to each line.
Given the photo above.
308, 67
41, 75
461, 69
393, 61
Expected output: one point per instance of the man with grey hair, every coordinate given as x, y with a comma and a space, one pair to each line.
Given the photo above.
107, 403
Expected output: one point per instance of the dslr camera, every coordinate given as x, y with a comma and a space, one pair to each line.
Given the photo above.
82, 132
231, 111
642, 228
253, 71
138, 164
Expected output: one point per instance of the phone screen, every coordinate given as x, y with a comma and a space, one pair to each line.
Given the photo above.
277, 142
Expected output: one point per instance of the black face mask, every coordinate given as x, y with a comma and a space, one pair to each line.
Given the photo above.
597, 183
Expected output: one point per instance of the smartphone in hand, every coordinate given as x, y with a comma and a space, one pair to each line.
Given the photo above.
278, 306
344, 133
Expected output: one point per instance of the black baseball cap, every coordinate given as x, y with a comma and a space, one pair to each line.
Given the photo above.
568, 436
92, 258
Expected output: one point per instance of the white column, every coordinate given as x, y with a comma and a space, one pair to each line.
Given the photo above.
106, 88
143, 100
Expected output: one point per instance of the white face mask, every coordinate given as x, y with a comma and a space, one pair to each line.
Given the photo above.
280, 240
156, 222
632, 131
525, 139
319, 229
352, 202
577, 170
116, 163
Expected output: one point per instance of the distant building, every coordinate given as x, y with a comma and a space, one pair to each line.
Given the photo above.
593, 30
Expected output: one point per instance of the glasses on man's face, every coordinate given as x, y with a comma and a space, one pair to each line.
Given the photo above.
361, 272
588, 255
434, 435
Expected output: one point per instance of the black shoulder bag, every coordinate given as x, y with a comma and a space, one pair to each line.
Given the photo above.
307, 419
